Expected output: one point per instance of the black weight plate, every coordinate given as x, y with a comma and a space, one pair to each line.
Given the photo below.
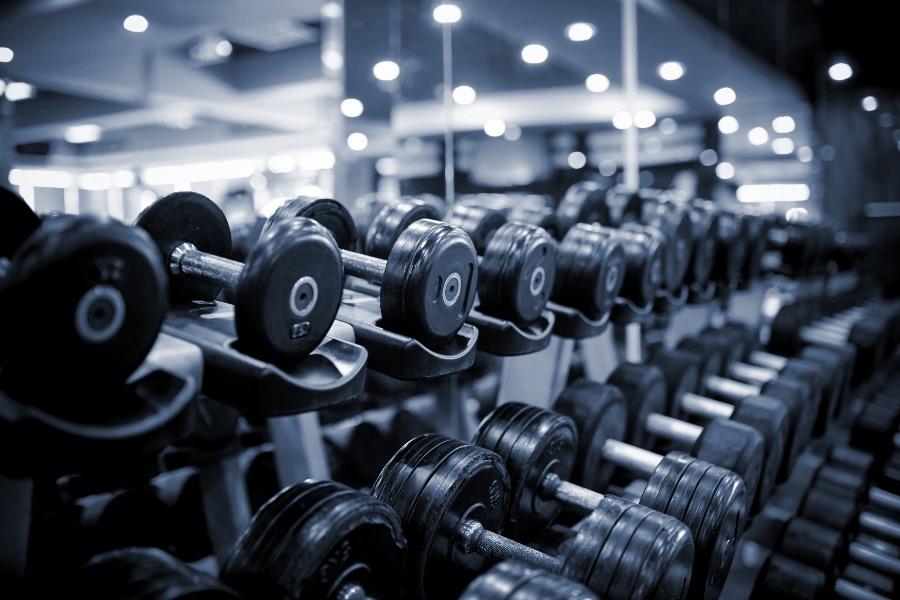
644, 263
686, 490
704, 220
784, 330
787, 578
517, 272
478, 222
533, 443
314, 538
675, 224
812, 543
816, 378
583, 202
716, 516
84, 297
187, 217
392, 220
796, 394
430, 281
660, 488
748, 336
333, 215
732, 249
511, 580
736, 447
667, 569
644, 390
590, 270
366, 452
711, 360
290, 290
729, 346
633, 553
681, 373
770, 418
405, 425
543, 217
17, 222
599, 413
145, 573
434, 482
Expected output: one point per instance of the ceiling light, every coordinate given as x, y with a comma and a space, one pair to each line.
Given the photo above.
782, 145
357, 141
136, 23
724, 170
668, 126
869, 103
708, 157
535, 54
758, 136
644, 118
597, 83
773, 192
386, 70
607, 167
576, 160
40, 178
622, 120
351, 107
446, 14
840, 71
19, 90
671, 70
804, 154
6, 54
783, 124
223, 48
513, 132
464, 94
728, 125
494, 127
82, 134
580, 32
332, 10
332, 59
724, 96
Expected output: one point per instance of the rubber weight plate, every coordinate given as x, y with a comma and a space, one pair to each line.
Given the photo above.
289, 291
430, 280
85, 295
644, 390
704, 222
711, 359
517, 272
675, 224
479, 222
543, 217
313, 539
146, 573
681, 373
795, 396
533, 443
599, 413
590, 270
17, 222
333, 215
511, 580
583, 202
736, 447
624, 550
187, 218
770, 418
392, 220
644, 263
434, 482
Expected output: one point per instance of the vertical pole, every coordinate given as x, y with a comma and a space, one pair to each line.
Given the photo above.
629, 81
449, 166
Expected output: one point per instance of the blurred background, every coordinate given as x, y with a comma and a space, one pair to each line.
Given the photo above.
788, 104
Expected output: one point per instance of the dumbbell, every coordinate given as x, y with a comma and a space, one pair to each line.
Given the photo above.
780, 576
319, 539
81, 301
543, 217
727, 444
453, 499
704, 225
511, 580
428, 280
710, 500
517, 265
140, 573
793, 394
767, 416
829, 551
589, 267
287, 292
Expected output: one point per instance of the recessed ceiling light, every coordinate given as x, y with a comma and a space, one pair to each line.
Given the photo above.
19, 90
671, 70
446, 13
783, 124
386, 70
840, 71
494, 127
724, 96
728, 124
464, 94
580, 32
869, 103
576, 160
724, 170
82, 134
136, 23
597, 83
351, 107
758, 136
644, 118
535, 54
357, 141
782, 145
6, 54
622, 120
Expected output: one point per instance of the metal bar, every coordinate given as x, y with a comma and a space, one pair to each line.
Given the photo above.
884, 499
752, 373
634, 350
631, 457
850, 591
449, 158
701, 405
365, 267
570, 494
879, 526
299, 450
473, 537
599, 354
226, 505
768, 360
15, 522
734, 390
675, 430
870, 558
630, 88
186, 260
